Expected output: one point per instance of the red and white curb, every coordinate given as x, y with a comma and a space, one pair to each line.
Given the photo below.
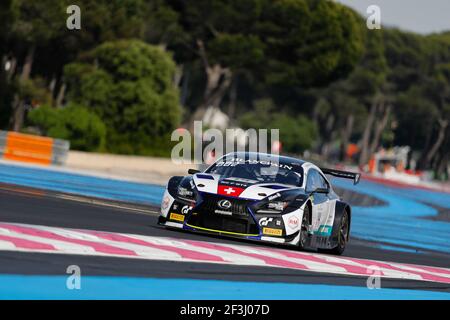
33, 238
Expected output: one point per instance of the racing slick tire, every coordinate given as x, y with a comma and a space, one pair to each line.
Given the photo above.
343, 235
304, 232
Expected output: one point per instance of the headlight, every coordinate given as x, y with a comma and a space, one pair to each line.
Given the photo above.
183, 192
273, 207
186, 194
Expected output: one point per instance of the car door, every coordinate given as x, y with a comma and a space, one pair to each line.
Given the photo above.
320, 201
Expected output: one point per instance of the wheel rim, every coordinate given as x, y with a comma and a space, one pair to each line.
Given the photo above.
304, 229
343, 232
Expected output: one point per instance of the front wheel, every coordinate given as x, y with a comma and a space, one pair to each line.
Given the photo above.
303, 241
343, 237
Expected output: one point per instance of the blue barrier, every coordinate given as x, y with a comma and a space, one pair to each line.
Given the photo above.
43, 178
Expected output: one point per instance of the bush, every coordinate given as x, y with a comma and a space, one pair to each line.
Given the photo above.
297, 134
84, 129
129, 84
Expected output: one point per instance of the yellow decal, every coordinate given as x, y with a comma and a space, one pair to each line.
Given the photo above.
273, 232
177, 217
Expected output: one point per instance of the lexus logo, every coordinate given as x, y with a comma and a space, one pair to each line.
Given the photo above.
224, 204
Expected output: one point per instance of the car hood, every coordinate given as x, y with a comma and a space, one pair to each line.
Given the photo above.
238, 187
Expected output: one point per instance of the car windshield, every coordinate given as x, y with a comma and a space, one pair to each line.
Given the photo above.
259, 171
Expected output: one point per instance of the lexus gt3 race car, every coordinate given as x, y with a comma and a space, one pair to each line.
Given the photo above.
261, 197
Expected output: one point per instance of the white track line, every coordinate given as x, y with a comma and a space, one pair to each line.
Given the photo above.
33, 238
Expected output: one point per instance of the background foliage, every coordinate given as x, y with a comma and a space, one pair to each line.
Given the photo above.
140, 68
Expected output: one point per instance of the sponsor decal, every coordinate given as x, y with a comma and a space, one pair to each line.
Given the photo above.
272, 232
265, 221
228, 213
293, 222
238, 182
224, 204
165, 203
238, 161
229, 190
274, 196
176, 217
242, 180
324, 230
186, 209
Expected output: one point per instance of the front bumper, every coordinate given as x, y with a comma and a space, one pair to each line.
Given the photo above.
285, 240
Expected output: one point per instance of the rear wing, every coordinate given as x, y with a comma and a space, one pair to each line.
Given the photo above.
343, 174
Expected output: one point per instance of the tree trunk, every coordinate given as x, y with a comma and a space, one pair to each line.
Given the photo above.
185, 86
345, 136
61, 95
441, 170
364, 156
178, 75
427, 146
52, 85
233, 98
325, 149
28, 64
437, 144
218, 81
17, 117
379, 128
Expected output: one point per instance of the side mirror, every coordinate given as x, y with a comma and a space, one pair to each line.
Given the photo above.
321, 190
193, 171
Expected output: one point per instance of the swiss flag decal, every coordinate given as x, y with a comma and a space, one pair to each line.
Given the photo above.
229, 191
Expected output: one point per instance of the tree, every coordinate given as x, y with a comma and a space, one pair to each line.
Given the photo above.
357, 106
297, 133
41, 44
101, 20
84, 129
421, 74
7, 17
311, 43
219, 35
339, 115
128, 84
36, 24
301, 43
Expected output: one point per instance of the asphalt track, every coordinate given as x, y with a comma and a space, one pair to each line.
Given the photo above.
35, 207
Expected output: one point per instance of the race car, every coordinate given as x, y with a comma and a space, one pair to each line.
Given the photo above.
263, 197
